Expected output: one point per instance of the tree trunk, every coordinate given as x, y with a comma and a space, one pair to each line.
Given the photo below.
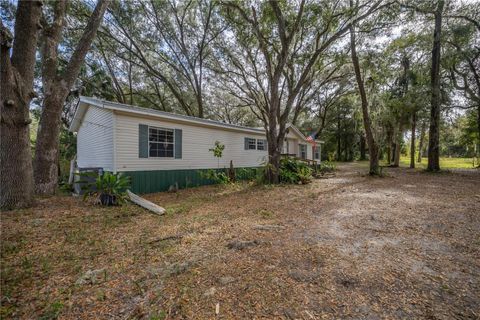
47, 149
16, 78
15, 156
363, 155
46, 152
395, 145
412, 142
339, 150
389, 152
421, 142
272, 172
372, 145
477, 151
339, 141
346, 156
389, 144
398, 146
434, 132
393, 149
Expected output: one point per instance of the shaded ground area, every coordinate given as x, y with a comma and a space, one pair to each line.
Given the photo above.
351, 246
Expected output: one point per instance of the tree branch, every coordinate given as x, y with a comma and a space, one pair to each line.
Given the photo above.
78, 56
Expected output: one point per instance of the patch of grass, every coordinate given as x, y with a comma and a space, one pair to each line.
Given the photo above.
6, 311
188, 204
27, 265
52, 311
10, 278
117, 216
265, 213
445, 163
96, 247
101, 295
75, 236
359, 165
11, 247
179, 208
45, 264
161, 315
446, 288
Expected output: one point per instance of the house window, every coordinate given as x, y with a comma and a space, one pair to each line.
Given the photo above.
160, 142
285, 146
303, 151
316, 153
261, 144
251, 144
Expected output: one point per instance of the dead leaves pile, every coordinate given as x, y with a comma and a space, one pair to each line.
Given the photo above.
405, 246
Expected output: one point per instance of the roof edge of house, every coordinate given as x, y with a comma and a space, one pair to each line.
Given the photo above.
161, 114
76, 122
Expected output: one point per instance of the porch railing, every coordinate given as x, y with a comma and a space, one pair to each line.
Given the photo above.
310, 162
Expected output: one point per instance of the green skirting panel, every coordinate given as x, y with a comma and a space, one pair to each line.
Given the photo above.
161, 180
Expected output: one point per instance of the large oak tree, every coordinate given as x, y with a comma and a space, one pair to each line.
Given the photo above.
17, 68
57, 83
271, 55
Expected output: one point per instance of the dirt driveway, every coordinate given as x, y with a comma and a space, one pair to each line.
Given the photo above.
351, 246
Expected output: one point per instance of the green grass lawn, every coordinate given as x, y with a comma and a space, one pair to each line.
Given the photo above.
445, 163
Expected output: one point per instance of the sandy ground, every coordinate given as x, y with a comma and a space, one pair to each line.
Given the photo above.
351, 246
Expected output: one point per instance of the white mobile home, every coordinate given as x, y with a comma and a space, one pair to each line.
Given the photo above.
158, 149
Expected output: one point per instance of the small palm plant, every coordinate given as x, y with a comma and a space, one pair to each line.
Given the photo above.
108, 189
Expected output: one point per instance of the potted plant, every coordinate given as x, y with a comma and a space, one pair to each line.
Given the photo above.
109, 188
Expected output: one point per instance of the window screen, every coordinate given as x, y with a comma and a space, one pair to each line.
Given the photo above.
161, 142
303, 151
261, 144
251, 144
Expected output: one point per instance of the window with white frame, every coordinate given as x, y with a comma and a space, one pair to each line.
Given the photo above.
316, 153
255, 144
161, 142
261, 144
303, 151
251, 144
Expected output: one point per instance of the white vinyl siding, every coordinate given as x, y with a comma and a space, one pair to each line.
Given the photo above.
196, 142
110, 140
95, 139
